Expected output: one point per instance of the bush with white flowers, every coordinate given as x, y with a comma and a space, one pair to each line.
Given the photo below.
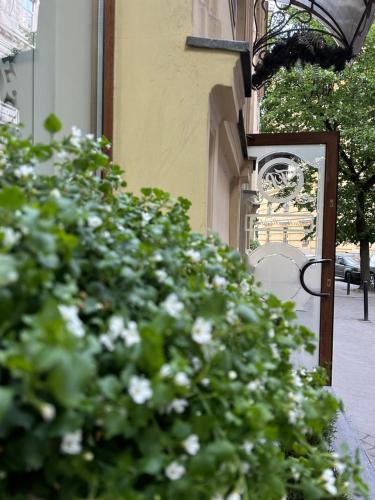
138, 360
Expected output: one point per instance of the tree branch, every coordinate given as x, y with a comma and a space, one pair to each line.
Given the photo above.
369, 183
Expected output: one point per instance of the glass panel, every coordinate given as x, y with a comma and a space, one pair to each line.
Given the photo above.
352, 18
285, 227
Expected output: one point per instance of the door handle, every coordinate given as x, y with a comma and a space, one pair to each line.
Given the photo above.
302, 277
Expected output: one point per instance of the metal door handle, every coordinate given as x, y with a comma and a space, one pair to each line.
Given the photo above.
302, 277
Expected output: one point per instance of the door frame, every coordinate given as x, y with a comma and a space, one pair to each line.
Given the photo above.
331, 141
109, 20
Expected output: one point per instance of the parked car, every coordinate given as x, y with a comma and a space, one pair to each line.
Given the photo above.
372, 271
348, 268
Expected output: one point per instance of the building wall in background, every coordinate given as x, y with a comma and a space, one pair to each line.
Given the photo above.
59, 75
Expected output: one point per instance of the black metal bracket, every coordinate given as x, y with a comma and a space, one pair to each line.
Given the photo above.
302, 277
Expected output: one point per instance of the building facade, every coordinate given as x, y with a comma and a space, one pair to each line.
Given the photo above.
181, 112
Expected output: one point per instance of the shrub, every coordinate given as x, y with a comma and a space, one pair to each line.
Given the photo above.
138, 360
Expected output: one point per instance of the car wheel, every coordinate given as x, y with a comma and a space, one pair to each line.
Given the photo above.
348, 277
372, 280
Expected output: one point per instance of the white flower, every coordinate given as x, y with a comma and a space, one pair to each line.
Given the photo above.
235, 495
255, 385
244, 287
62, 155
219, 281
12, 276
116, 327
158, 257
296, 475
191, 444
329, 479
194, 255
173, 305
130, 334
201, 331
340, 467
232, 375
293, 416
10, 237
205, 382
55, 193
71, 443
76, 137
275, 351
161, 275
297, 379
248, 447
178, 405
146, 217
94, 221
71, 318
75, 142
76, 132
24, 171
182, 379
166, 371
47, 411
140, 389
271, 333
297, 397
90, 137
231, 315
217, 497
174, 471
107, 341
88, 456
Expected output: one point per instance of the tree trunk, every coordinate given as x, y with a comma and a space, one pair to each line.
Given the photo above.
365, 261
362, 230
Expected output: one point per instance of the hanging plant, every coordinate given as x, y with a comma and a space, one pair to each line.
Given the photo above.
304, 47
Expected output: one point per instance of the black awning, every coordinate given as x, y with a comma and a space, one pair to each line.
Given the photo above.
348, 21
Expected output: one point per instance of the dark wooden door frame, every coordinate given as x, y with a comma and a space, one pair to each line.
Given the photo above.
331, 141
108, 69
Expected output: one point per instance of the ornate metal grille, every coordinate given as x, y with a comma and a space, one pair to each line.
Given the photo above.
288, 24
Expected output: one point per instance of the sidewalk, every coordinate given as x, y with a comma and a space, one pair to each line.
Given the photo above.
354, 363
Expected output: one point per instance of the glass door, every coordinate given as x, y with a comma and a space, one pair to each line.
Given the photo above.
290, 228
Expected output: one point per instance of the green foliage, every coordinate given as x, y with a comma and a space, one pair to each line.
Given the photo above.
313, 99
138, 360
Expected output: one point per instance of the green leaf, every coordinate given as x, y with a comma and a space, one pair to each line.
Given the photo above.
52, 124
12, 198
110, 387
6, 398
153, 463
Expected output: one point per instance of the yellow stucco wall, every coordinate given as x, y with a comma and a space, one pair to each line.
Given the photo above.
162, 100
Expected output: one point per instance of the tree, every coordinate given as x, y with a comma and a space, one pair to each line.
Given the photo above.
313, 99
